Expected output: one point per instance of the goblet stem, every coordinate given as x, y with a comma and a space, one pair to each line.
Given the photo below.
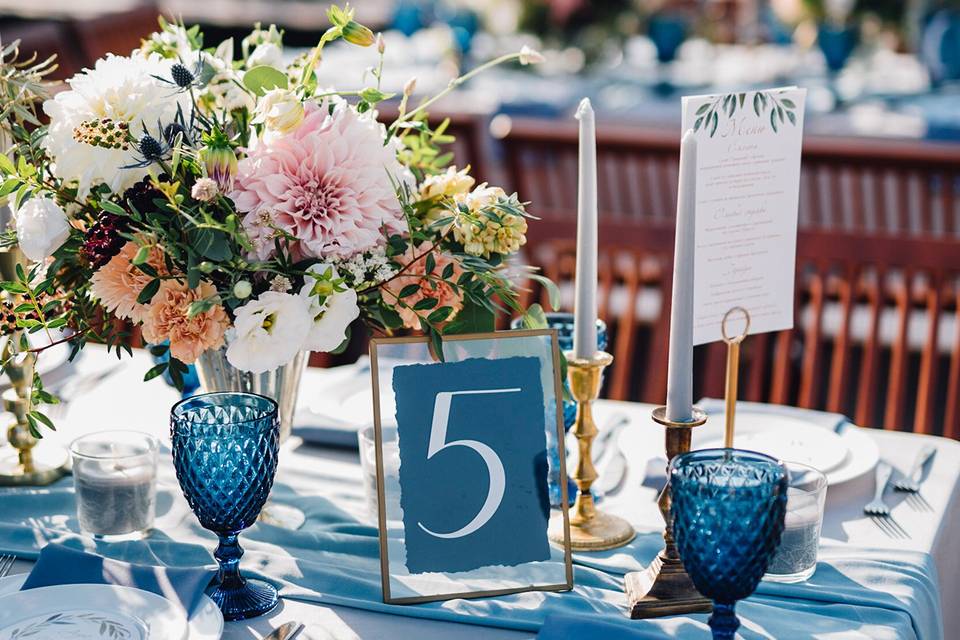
723, 621
228, 554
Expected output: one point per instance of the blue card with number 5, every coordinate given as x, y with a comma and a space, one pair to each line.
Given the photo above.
473, 477
462, 466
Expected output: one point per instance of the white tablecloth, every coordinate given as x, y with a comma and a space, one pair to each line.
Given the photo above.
120, 400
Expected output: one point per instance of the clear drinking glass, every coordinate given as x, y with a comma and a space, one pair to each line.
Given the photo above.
366, 439
115, 477
796, 558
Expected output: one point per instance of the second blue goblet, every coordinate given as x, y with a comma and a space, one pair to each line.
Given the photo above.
728, 509
225, 454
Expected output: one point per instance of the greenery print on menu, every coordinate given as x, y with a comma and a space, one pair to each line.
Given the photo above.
778, 109
221, 197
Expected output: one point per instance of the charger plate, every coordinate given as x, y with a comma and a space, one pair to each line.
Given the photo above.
205, 624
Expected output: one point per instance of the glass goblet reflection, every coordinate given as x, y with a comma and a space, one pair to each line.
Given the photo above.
728, 512
225, 454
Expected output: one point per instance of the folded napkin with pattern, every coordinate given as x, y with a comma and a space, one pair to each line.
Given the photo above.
60, 565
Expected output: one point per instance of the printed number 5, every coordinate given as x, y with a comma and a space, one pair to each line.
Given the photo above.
438, 436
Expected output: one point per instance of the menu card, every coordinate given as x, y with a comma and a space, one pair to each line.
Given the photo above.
748, 182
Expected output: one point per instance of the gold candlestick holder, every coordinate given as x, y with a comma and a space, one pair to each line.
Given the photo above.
664, 588
590, 528
22, 461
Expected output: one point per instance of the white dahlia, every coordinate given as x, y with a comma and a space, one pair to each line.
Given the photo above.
118, 96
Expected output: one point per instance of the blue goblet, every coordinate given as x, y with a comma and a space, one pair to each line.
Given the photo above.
728, 510
225, 453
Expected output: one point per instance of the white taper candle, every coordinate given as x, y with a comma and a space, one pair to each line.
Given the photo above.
680, 365
585, 309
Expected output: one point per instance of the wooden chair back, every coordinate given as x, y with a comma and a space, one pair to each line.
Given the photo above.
850, 185
117, 33
876, 337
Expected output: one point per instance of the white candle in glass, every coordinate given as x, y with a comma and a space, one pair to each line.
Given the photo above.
585, 309
680, 364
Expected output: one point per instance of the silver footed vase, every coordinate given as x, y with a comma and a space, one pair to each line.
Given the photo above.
282, 384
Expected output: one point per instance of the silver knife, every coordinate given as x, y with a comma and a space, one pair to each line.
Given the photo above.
286, 631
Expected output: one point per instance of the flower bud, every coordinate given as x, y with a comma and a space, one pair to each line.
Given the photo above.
381, 45
204, 190
530, 56
355, 33
205, 267
242, 289
220, 162
42, 227
279, 110
410, 87
267, 54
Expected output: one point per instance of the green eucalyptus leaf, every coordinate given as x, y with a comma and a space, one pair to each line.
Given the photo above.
262, 78
534, 317
113, 208
148, 291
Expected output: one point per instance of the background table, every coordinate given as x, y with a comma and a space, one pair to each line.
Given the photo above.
109, 394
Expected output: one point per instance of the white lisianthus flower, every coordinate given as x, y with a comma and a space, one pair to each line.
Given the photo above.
268, 332
332, 307
224, 88
42, 227
530, 56
267, 53
280, 110
117, 96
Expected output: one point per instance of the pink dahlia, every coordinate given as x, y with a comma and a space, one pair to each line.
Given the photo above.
327, 183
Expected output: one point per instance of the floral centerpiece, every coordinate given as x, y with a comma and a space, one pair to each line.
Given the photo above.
227, 198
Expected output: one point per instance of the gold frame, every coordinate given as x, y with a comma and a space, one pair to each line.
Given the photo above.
381, 492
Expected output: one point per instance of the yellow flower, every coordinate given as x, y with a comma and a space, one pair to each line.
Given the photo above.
442, 189
483, 235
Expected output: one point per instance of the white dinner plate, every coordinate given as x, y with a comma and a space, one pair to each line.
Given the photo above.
206, 623
781, 437
842, 456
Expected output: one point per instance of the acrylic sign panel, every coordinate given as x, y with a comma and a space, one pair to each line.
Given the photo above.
462, 461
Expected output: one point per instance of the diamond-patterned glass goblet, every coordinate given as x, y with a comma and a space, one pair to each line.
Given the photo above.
728, 512
225, 453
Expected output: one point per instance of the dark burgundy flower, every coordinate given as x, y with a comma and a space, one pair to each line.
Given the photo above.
142, 194
103, 239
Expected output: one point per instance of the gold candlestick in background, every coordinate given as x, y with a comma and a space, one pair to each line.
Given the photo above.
664, 588
733, 371
23, 462
590, 528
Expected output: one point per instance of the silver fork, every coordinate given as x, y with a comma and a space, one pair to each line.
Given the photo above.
877, 509
910, 483
6, 564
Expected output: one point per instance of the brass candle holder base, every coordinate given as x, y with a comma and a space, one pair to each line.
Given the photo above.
664, 588
590, 529
44, 464
26, 461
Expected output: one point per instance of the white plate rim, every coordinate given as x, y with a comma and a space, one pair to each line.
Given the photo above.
713, 438
205, 624
864, 452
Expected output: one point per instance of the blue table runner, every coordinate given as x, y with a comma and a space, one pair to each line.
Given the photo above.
333, 559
